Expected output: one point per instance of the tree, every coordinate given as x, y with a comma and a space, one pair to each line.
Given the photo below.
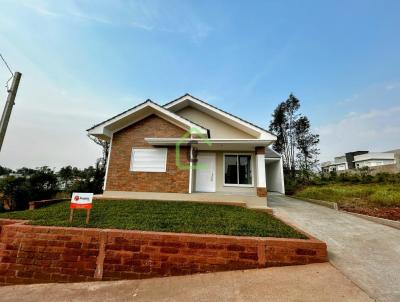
295, 142
5, 170
283, 124
306, 143
105, 149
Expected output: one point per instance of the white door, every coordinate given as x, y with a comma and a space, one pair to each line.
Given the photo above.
205, 173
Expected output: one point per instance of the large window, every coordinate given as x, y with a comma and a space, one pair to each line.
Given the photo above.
238, 169
149, 160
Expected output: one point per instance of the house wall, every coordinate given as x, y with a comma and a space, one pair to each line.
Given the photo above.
274, 176
218, 129
119, 176
374, 162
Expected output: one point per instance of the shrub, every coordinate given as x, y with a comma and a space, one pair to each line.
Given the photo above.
18, 191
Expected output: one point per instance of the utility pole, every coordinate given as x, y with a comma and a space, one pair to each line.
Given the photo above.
12, 92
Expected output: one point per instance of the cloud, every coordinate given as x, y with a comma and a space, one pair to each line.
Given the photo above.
148, 16
373, 130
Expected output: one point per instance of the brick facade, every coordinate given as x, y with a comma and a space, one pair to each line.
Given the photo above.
34, 254
119, 176
260, 150
261, 192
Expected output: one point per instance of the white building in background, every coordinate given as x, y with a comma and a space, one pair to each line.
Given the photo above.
359, 159
373, 159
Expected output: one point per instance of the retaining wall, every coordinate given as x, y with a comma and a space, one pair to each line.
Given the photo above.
34, 254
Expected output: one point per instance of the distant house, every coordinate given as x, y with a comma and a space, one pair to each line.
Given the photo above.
187, 146
359, 159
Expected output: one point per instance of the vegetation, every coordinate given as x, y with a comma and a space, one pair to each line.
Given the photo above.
355, 195
295, 141
26, 184
165, 217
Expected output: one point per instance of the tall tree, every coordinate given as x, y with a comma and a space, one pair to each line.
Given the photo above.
283, 124
295, 142
306, 143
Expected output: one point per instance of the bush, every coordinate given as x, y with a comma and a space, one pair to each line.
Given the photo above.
18, 191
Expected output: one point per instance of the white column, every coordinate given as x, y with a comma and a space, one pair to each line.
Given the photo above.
190, 170
107, 165
260, 161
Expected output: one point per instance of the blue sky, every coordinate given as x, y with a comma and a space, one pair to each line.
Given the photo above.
84, 61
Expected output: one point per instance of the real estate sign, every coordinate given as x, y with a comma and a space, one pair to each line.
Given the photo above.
81, 201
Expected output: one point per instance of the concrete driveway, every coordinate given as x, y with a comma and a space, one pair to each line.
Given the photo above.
366, 252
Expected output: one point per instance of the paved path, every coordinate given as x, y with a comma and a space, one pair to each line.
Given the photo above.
308, 283
366, 252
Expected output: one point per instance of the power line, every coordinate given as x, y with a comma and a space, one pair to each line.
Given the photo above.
9, 69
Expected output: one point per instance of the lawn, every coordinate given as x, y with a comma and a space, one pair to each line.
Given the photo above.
380, 200
163, 216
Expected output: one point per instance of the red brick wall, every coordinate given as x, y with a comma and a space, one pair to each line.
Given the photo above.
119, 178
32, 254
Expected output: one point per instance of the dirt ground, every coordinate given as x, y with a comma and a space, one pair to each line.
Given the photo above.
392, 213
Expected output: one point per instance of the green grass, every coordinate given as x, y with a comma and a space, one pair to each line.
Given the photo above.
363, 195
163, 216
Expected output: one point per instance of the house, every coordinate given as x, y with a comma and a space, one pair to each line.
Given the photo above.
374, 159
187, 146
359, 159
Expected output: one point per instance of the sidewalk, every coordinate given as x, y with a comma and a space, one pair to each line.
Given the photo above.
314, 282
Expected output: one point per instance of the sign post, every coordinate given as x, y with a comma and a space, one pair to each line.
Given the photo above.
81, 201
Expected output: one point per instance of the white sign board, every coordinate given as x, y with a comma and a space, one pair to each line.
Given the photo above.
81, 200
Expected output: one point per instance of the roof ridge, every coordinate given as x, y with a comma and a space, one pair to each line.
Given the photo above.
140, 104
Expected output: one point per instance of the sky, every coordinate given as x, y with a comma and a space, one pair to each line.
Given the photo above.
85, 61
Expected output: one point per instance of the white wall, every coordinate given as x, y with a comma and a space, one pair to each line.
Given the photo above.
274, 176
374, 162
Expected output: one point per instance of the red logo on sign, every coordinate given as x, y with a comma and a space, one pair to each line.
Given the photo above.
76, 198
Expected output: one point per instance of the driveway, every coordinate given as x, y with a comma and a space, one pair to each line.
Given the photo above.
366, 252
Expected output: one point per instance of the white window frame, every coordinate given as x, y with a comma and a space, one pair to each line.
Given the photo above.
252, 170
164, 169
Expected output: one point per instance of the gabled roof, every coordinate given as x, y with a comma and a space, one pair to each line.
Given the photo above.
105, 129
271, 153
189, 100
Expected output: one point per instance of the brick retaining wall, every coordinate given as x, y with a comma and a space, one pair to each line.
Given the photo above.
34, 254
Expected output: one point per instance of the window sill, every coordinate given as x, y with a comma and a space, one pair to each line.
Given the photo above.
238, 185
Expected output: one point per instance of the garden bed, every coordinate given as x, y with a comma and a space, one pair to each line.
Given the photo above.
163, 216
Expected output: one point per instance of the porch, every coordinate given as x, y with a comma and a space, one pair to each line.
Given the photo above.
238, 199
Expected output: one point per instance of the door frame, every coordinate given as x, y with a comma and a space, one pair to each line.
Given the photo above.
214, 156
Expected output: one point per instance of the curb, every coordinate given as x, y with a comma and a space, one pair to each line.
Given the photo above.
391, 223
328, 204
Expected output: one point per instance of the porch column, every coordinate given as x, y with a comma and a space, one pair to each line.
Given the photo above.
261, 180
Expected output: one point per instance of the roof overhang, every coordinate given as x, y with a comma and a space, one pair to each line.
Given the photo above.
211, 144
188, 100
106, 129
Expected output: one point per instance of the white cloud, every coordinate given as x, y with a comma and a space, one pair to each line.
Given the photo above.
149, 16
373, 130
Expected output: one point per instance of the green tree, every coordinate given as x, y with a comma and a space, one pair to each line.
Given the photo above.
295, 141
283, 124
307, 146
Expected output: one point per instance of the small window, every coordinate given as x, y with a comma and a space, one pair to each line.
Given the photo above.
238, 170
149, 160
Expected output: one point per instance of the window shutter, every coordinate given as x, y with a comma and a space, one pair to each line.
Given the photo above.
149, 160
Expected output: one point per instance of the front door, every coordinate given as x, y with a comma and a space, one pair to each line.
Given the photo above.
205, 173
